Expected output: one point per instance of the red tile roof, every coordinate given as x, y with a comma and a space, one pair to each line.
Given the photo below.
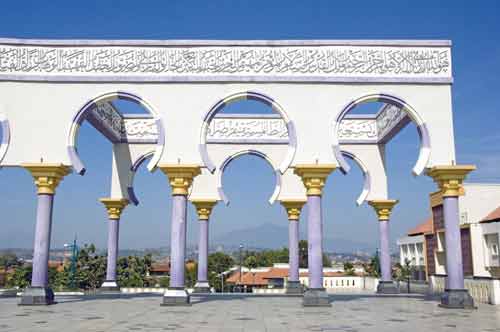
492, 216
247, 278
423, 228
160, 267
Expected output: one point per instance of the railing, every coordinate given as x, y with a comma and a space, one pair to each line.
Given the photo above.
482, 291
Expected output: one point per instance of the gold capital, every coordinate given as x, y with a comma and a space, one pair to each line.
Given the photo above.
383, 208
114, 206
314, 176
204, 207
47, 176
180, 176
450, 178
293, 207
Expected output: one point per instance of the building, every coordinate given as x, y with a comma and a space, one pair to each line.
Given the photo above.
425, 246
274, 279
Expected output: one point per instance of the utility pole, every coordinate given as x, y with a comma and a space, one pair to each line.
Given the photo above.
241, 247
72, 266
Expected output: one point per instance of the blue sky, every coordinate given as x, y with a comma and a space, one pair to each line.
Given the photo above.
472, 26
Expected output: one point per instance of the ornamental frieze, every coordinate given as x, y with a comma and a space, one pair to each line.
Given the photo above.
294, 63
251, 130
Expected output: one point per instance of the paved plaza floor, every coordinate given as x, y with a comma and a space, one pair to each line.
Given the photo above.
349, 312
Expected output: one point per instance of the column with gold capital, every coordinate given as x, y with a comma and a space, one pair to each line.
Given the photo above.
293, 208
114, 207
204, 209
450, 182
180, 178
46, 177
383, 208
314, 177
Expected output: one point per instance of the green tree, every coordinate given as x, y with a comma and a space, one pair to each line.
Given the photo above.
132, 271
90, 268
373, 267
303, 252
21, 277
217, 263
349, 269
9, 260
404, 272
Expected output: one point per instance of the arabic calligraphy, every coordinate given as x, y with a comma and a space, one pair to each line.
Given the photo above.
348, 61
226, 130
389, 117
358, 129
139, 129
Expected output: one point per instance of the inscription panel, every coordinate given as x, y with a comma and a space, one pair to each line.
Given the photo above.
213, 63
247, 130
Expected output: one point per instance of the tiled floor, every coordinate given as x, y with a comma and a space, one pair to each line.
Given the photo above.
349, 312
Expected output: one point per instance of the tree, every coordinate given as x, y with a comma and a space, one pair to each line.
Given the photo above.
132, 271
403, 273
349, 269
373, 267
9, 260
218, 263
303, 252
21, 277
90, 268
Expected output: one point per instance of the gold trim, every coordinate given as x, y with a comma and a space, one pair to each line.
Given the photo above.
383, 207
47, 176
436, 198
314, 176
114, 206
180, 176
450, 178
293, 207
204, 207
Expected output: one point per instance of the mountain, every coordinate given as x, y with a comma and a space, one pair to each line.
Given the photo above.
270, 236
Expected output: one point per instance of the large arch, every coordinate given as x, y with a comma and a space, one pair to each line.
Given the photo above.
259, 154
77, 163
249, 95
425, 145
366, 177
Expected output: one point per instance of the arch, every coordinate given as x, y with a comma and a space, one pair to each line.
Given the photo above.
425, 146
78, 119
259, 154
248, 95
133, 169
366, 176
4, 145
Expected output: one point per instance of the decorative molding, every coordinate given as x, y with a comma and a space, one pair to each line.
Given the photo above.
180, 176
293, 208
388, 118
245, 130
139, 129
47, 176
114, 206
204, 208
450, 178
358, 129
371, 128
296, 62
314, 176
383, 208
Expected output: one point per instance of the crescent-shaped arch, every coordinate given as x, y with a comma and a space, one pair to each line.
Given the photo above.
4, 146
366, 177
250, 95
78, 165
425, 145
226, 162
133, 169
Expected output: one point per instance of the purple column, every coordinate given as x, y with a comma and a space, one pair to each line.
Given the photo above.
113, 230
178, 241
385, 257
203, 251
315, 239
40, 276
293, 250
454, 266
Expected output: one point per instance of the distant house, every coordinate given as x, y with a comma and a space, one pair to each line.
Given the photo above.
276, 277
160, 269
